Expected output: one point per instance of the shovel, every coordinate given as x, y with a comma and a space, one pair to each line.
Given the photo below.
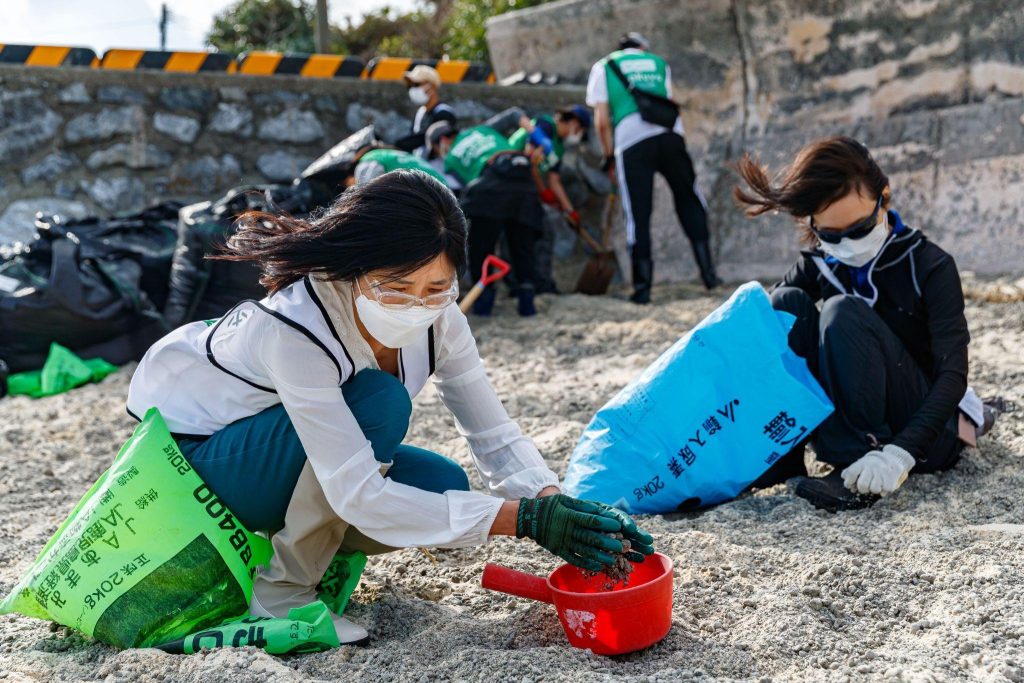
624, 619
501, 269
599, 270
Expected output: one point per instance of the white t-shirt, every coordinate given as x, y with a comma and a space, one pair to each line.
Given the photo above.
195, 397
632, 128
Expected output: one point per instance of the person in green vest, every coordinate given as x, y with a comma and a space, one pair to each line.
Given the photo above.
635, 148
501, 197
568, 126
377, 162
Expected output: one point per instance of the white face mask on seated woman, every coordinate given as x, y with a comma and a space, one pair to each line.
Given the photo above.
858, 252
397, 319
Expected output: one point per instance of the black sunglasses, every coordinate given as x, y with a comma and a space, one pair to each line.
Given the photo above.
858, 230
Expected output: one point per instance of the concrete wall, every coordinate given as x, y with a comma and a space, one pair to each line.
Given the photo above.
934, 87
90, 142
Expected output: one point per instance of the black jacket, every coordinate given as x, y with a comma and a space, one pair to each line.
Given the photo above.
415, 139
922, 302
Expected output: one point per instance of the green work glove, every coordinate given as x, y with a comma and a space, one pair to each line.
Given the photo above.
575, 530
640, 543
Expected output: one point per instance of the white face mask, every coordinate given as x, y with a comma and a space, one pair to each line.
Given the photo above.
418, 95
395, 328
857, 253
575, 138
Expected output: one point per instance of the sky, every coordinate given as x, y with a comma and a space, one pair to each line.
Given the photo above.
102, 24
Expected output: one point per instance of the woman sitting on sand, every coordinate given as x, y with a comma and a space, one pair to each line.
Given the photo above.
889, 344
293, 408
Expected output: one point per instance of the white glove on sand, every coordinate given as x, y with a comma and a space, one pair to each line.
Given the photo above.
880, 472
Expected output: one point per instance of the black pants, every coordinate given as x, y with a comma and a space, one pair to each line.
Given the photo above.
665, 154
874, 383
484, 232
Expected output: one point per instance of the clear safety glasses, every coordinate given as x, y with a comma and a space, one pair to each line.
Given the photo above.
389, 298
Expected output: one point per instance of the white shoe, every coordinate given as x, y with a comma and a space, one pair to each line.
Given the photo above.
349, 632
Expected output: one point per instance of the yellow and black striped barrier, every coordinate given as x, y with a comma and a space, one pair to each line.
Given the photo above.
308, 66
47, 55
179, 62
450, 70
251, 63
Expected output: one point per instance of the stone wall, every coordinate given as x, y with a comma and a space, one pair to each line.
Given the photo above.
934, 87
90, 142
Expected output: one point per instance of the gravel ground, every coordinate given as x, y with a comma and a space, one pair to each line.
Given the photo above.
928, 585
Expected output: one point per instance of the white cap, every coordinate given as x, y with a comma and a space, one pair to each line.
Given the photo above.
421, 73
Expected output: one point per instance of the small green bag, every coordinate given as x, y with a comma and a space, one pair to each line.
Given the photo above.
63, 371
305, 629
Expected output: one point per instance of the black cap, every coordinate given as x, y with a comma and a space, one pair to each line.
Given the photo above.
438, 130
634, 39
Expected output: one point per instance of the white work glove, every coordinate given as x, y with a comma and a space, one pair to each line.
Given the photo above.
880, 472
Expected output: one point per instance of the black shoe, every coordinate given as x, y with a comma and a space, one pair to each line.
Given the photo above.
483, 306
4, 371
992, 408
526, 307
791, 465
702, 254
643, 277
829, 493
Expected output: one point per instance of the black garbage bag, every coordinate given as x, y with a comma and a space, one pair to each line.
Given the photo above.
81, 285
147, 237
201, 288
326, 176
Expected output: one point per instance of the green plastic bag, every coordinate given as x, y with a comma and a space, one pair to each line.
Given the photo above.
63, 371
305, 629
149, 555
340, 580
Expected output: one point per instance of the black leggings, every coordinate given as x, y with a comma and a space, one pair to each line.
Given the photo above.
874, 383
665, 154
484, 233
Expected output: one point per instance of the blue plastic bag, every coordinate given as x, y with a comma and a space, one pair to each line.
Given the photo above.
704, 420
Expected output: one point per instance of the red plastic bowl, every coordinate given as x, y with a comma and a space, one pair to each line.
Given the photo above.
608, 622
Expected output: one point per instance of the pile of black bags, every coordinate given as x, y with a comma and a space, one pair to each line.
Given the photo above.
110, 287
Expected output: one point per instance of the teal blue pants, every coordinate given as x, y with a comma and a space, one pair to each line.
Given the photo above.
253, 464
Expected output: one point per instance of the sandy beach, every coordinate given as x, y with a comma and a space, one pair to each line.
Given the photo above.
927, 585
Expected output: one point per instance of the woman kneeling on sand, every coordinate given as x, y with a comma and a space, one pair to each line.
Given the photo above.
293, 408
889, 344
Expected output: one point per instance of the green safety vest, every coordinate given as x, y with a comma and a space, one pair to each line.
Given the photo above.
472, 149
645, 70
521, 137
394, 159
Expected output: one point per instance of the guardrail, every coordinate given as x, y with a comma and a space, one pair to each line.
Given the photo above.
451, 71
306, 65
178, 62
47, 55
256, 63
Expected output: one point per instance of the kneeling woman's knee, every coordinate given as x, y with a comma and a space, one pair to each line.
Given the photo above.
843, 311
451, 476
380, 403
439, 474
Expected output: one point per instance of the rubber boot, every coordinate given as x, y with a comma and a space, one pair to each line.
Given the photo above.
485, 304
303, 550
702, 254
526, 307
643, 276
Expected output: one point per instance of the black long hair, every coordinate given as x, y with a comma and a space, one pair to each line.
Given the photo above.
396, 223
